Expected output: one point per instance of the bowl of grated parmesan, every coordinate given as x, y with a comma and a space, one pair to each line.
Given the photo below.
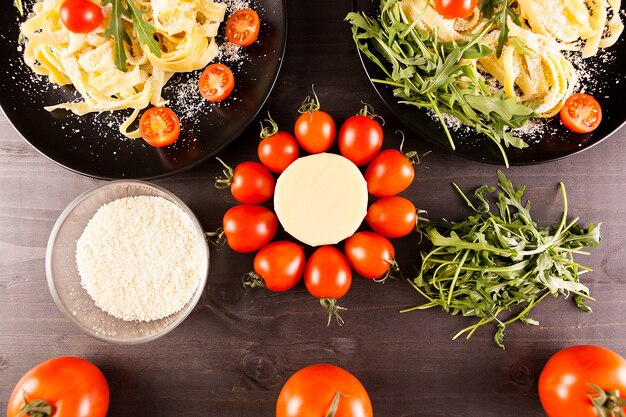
127, 262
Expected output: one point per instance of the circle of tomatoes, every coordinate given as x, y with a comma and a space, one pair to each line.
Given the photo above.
318, 390
360, 139
452, 9
216, 82
581, 113
248, 228
70, 386
242, 27
159, 126
250, 182
280, 265
80, 16
565, 388
392, 216
370, 254
389, 173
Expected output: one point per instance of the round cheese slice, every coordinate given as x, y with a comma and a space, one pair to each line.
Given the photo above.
321, 199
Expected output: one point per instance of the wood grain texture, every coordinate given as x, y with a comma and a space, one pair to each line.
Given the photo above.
232, 355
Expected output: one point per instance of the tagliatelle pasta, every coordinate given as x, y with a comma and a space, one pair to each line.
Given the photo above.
185, 30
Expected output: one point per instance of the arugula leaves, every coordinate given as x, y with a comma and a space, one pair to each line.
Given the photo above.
144, 30
494, 264
19, 6
499, 11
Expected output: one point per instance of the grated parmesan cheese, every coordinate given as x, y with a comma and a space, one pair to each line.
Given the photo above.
138, 258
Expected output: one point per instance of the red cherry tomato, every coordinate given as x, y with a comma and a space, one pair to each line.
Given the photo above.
250, 182
328, 276
452, 9
216, 82
360, 138
278, 266
370, 254
581, 113
315, 130
159, 126
71, 386
80, 16
277, 149
312, 391
248, 228
389, 173
392, 216
564, 381
242, 27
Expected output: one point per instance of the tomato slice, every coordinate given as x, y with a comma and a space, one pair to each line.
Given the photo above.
159, 126
242, 27
581, 113
216, 82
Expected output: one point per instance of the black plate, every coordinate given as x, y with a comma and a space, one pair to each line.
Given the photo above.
554, 142
92, 145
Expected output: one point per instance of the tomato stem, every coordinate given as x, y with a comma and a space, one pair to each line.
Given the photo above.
607, 403
393, 267
252, 280
268, 131
309, 105
228, 173
35, 408
334, 405
330, 305
217, 238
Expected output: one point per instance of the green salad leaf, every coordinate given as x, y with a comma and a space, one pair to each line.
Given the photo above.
144, 30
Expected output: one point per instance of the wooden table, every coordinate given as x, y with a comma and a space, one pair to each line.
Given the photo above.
232, 355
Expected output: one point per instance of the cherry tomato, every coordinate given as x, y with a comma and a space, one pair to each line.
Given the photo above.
581, 113
392, 216
242, 27
315, 130
360, 138
159, 126
278, 266
71, 386
564, 381
80, 16
328, 276
370, 254
389, 173
452, 9
312, 392
216, 82
277, 149
248, 228
250, 182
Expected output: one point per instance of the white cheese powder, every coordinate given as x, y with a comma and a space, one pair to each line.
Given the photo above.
138, 258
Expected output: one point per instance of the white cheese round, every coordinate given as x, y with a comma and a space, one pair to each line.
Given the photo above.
321, 199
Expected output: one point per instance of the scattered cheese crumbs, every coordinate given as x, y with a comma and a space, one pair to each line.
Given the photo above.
138, 258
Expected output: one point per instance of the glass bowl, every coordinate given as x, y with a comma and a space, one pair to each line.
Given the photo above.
64, 279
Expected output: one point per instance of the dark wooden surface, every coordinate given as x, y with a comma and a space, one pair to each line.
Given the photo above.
232, 355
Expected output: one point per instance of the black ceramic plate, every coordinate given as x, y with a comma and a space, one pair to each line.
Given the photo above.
552, 143
92, 145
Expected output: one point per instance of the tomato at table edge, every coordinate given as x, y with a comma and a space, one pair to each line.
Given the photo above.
381, 218
84, 23
235, 235
311, 381
226, 90
64, 373
280, 281
453, 9
277, 149
574, 123
252, 36
166, 138
389, 173
374, 246
563, 386
360, 137
315, 130
250, 182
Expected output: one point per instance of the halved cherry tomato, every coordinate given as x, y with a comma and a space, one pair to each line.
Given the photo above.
565, 382
242, 27
392, 216
328, 276
581, 113
159, 126
312, 392
277, 149
250, 182
315, 130
216, 82
70, 386
248, 228
80, 16
452, 9
370, 254
360, 138
277, 266
389, 173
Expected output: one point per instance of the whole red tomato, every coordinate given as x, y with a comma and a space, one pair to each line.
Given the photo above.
70, 386
80, 16
564, 383
328, 276
250, 182
452, 9
248, 228
277, 149
392, 216
370, 254
389, 173
323, 391
360, 138
315, 130
278, 266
